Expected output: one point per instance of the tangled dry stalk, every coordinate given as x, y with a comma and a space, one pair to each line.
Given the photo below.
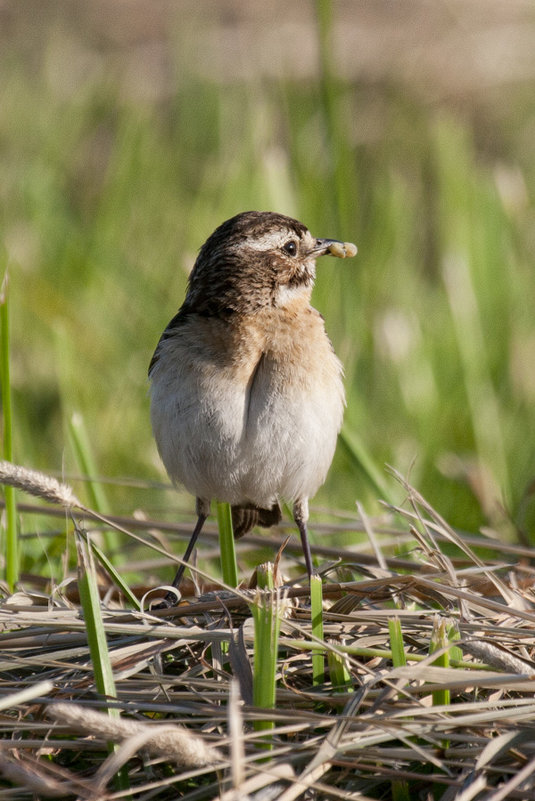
183, 680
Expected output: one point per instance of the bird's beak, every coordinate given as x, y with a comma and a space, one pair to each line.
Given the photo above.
333, 247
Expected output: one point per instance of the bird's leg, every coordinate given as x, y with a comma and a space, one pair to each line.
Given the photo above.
191, 545
300, 512
203, 510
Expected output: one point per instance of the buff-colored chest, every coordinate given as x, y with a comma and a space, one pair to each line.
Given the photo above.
249, 410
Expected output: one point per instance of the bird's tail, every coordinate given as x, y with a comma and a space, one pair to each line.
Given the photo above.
244, 518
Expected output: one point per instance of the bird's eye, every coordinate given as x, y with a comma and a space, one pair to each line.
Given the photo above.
290, 248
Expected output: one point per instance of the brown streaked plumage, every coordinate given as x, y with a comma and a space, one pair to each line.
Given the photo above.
246, 391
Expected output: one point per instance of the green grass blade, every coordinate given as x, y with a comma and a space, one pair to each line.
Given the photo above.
86, 464
340, 152
265, 578
96, 636
439, 642
90, 601
267, 613
11, 540
340, 675
483, 399
362, 460
399, 658
456, 653
229, 567
400, 788
316, 611
116, 577
85, 460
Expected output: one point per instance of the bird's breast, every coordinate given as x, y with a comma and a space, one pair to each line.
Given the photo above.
248, 409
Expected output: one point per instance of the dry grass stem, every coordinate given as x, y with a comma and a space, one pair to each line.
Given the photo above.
383, 726
23, 773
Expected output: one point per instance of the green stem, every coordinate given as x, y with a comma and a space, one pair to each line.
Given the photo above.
11, 542
229, 568
316, 610
267, 614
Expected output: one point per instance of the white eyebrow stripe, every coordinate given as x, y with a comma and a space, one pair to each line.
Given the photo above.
270, 241
274, 240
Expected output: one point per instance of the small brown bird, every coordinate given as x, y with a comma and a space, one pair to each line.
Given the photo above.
246, 391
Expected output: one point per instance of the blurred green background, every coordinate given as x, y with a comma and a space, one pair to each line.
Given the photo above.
129, 130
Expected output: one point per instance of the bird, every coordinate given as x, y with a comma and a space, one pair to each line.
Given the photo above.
246, 391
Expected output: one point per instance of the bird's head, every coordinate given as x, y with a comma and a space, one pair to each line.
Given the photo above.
257, 259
